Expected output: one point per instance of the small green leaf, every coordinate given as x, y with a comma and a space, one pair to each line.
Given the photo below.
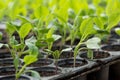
35, 74
56, 37
93, 43
10, 29
117, 30
41, 12
24, 30
90, 54
86, 27
24, 19
31, 40
113, 20
56, 54
28, 59
16, 62
1, 35
98, 21
33, 49
49, 40
50, 33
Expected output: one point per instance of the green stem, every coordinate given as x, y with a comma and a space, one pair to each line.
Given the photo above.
20, 72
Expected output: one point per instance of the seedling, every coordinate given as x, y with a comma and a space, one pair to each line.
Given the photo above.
86, 29
56, 55
92, 43
17, 49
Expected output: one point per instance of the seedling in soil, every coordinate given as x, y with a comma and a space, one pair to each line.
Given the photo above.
56, 55
17, 49
86, 29
91, 44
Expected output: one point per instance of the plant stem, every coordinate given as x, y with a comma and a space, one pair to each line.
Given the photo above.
74, 62
20, 72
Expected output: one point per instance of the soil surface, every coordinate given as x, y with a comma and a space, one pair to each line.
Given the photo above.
111, 48
96, 55
64, 55
41, 62
68, 63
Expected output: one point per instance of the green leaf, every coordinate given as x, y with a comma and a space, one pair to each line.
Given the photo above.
41, 12
56, 54
117, 30
56, 37
16, 62
12, 41
86, 27
31, 43
10, 29
113, 20
49, 40
93, 43
33, 50
24, 30
90, 54
1, 35
31, 40
24, 19
78, 20
28, 59
98, 21
113, 7
35, 74
50, 33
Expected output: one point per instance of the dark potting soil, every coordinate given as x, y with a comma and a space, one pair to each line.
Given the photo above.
64, 55
6, 62
58, 48
41, 62
74, 43
13, 78
68, 63
47, 71
111, 48
5, 55
7, 73
4, 50
96, 55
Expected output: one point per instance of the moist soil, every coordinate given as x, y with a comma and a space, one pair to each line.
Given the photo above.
5, 55
68, 63
7, 73
47, 73
64, 55
13, 78
40, 63
96, 55
111, 48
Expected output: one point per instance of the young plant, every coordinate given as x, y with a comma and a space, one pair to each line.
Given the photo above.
91, 44
17, 49
86, 29
56, 55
